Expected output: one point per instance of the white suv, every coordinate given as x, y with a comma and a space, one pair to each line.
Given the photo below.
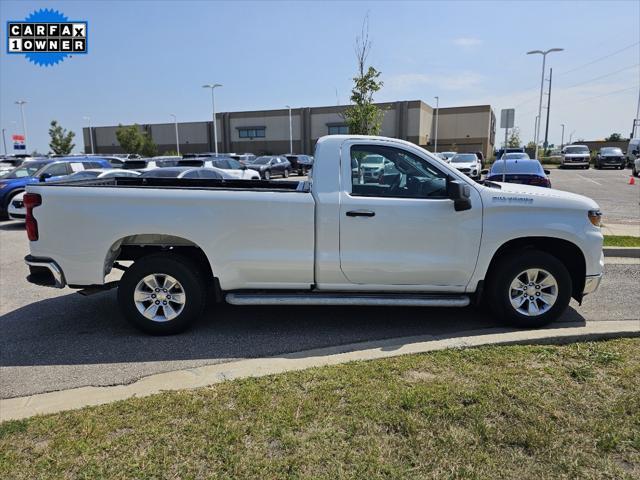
576, 156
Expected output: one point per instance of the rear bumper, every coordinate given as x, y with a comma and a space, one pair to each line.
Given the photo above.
44, 272
591, 283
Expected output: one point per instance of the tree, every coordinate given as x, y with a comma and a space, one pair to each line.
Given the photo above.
614, 137
363, 117
132, 140
514, 139
60, 142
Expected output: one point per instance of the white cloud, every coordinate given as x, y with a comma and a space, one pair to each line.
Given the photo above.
467, 42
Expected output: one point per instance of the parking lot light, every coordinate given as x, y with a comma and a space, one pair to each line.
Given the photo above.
435, 136
213, 86
544, 59
290, 131
90, 134
24, 122
562, 141
175, 123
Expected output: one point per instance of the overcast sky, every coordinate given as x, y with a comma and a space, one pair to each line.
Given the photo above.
149, 59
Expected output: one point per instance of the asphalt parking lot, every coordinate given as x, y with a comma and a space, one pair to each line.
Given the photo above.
56, 339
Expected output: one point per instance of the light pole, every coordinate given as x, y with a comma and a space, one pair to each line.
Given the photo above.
435, 136
213, 86
290, 131
4, 142
571, 136
175, 123
544, 59
562, 141
24, 122
90, 134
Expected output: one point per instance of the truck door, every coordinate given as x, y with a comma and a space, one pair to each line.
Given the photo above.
397, 225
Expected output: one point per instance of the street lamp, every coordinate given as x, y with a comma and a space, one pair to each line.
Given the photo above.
290, 131
544, 59
562, 141
175, 122
435, 136
90, 133
213, 86
24, 122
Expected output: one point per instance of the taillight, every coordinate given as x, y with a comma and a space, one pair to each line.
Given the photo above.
31, 201
540, 182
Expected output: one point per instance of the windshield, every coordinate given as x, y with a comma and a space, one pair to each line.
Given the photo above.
27, 169
516, 156
464, 158
576, 150
527, 167
611, 151
373, 159
262, 160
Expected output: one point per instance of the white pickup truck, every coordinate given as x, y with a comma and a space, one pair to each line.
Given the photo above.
420, 234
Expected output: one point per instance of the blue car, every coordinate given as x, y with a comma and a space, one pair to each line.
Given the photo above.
42, 170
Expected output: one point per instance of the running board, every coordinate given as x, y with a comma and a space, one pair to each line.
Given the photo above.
389, 300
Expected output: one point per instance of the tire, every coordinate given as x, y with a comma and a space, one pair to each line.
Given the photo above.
511, 270
4, 214
586, 167
286, 173
190, 284
267, 175
634, 171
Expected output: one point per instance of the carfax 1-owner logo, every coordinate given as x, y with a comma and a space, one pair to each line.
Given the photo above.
47, 37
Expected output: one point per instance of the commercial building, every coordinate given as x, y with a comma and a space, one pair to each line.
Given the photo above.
462, 129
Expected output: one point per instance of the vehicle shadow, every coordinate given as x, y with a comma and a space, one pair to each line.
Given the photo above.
76, 330
11, 225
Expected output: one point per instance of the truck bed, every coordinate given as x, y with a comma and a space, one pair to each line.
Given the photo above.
187, 183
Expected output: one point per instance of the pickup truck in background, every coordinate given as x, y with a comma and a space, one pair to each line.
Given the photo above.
419, 234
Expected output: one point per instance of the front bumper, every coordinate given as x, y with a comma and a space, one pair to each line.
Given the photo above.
44, 272
591, 283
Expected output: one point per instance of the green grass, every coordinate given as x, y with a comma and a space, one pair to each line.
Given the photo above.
525, 412
621, 241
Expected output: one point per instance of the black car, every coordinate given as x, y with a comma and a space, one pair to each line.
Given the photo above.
270, 165
610, 157
519, 170
301, 164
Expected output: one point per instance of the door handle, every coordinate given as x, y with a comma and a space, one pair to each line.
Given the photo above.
361, 213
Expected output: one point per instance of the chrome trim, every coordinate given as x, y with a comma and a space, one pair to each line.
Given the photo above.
591, 284
348, 299
53, 267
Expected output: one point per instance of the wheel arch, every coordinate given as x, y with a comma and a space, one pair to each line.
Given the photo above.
567, 252
134, 247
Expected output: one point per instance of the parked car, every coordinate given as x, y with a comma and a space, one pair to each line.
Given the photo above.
429, 237
187, 172
502, 151
91, 173
16, 209
301, 164
633, 151
467, 163
232, 168
42, 170
636, 167
271, 165
575, 156
446, 156
610, 157
8, 163
373, 167
244, 159
518, 170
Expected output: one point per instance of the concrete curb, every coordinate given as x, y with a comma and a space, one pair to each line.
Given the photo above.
628, 252
52, 402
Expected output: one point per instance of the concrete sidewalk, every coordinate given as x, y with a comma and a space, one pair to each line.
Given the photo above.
630, 230
52, 402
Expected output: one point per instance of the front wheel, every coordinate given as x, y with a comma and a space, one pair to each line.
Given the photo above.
286, 173
267, 175
162, 294
529, 289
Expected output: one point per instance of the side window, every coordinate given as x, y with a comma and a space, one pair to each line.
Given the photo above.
379, 171
209, 174
57, 170
234, 164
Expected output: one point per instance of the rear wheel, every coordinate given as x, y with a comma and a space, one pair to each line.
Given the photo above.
162, 294
529, 289
267, 175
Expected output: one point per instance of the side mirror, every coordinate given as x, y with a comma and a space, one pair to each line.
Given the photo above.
484, 172
44, 176
460, 193
547, 172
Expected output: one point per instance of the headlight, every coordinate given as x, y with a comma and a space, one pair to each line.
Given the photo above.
595, 217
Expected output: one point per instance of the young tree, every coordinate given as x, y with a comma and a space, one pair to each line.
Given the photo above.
363, 117
132, 140
60, 142
514, 139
